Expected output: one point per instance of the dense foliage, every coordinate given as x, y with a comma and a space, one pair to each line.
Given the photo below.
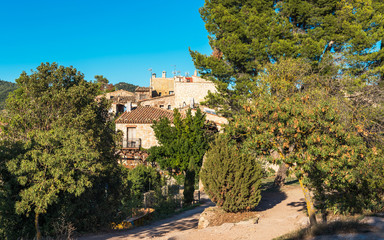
139, 180
231, 178
5, 89
57, 151
304, 79
104, 85
182, 147
329, 157
246, 35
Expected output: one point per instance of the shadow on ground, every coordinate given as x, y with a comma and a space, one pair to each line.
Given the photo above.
183, 221
270, 198
163, 229
301, 204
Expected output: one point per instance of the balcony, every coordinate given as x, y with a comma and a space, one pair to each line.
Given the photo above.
132, 143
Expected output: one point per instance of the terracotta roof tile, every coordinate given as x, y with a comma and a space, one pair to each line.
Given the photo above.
145, 115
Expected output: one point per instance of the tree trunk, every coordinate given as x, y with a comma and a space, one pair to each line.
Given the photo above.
309, 202
38, 233
281, 175
189, 186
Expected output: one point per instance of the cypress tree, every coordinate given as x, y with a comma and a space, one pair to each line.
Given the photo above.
231, 178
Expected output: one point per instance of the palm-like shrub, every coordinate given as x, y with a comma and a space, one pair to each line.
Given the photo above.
231, 178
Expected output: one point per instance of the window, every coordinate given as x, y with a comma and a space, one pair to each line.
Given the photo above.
131, 138
169, 107
171, 92
159, 93
161, 106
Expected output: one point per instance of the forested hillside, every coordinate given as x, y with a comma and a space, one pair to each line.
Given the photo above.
126, 86
5, 89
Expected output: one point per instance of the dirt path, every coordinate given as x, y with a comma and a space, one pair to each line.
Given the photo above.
280, 213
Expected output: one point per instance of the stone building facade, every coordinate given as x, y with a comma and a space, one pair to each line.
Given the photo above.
187, 90
121, 101
136, 126
142, 93
162, 86
164, 102
190, 93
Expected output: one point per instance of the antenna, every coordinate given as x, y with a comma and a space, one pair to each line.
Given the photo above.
150, 79
174, 71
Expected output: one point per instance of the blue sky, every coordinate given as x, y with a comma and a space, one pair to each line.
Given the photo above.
118, 39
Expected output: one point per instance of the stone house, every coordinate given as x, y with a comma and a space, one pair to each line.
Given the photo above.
138, 133
142, 93
163, 102
186, 91
136, 126
162, 86
191, 91
121, 101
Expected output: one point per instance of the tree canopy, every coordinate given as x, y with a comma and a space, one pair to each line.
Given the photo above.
245, 35
295, 77
62, 136
182, 146
5, 89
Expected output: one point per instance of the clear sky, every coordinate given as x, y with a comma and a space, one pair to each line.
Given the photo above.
120, 39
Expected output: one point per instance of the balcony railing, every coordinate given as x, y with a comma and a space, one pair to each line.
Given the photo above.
131, 143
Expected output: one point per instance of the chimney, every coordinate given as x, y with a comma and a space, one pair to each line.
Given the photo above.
164, 74
195, 73
192, 105
153, 75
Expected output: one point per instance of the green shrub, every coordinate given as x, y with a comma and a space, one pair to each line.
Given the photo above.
231, 178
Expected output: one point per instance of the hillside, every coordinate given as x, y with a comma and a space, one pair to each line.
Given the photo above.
126, 86
5, 89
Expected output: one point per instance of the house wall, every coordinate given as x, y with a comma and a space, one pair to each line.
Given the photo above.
162, 86
142, 95
118, 93
185, 91
157, 102
143, 131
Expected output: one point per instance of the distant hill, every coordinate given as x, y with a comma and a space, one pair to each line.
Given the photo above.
5, 89
126, 86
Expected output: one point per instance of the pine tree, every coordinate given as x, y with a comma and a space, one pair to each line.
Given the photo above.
245, 35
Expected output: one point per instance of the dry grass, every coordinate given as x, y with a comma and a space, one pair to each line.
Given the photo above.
336, 227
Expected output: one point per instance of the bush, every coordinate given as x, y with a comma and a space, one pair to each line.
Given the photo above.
231, 178
136, 182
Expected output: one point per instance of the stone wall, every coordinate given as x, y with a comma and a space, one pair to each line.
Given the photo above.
143, 131
141, 95
166, 102
162, 86
186, 91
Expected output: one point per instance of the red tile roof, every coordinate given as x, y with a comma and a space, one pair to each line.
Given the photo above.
145, 115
